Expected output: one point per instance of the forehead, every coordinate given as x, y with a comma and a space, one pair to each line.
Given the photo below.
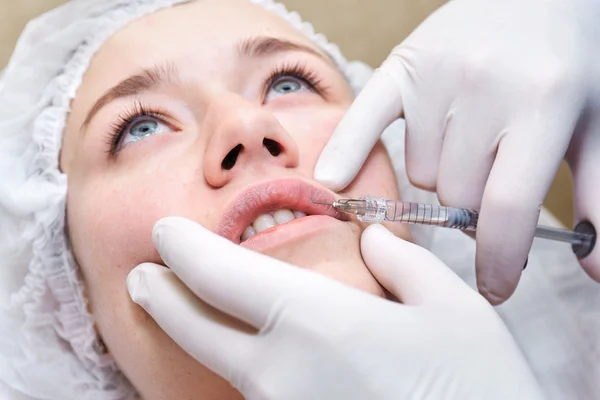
201, 34
199, 25
201, 37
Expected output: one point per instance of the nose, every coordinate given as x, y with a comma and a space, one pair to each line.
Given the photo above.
243, 136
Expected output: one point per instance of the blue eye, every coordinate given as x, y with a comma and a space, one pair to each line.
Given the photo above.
286, 85
143, 128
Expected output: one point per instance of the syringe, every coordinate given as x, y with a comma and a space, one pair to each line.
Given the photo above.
376, 210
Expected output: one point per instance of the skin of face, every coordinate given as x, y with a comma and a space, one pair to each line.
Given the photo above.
217, 101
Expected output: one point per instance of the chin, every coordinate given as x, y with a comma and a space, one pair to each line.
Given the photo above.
324, 245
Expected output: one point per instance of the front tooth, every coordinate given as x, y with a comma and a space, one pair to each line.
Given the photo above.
283, 216
263, 222
299, 214
248, 233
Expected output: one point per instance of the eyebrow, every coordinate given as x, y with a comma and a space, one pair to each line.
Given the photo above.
167, 73
145, 81
263, 46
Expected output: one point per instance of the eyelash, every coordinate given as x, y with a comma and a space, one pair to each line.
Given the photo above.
299, 71
127, 119
296, 70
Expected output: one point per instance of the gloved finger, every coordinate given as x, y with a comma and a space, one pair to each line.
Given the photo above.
527, 160
214, 268
466, 159
413, 274
375, 107
213, 338
583, 162
427, 109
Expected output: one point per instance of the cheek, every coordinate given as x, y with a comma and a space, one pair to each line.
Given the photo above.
376, 176
110, 236
311, 129
111, 219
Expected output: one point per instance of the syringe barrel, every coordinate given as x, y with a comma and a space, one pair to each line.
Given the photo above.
375, 209
379, 209
431, 214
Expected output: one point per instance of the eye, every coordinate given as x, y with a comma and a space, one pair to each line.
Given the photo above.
142, 128
286, 85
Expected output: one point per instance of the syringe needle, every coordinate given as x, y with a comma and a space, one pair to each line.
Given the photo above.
323, 204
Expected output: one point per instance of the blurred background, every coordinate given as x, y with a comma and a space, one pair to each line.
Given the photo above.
364, 30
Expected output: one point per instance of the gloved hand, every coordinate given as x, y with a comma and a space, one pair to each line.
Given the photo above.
493, 92
315, 338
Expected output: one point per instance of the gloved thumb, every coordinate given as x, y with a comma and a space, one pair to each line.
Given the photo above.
411, 273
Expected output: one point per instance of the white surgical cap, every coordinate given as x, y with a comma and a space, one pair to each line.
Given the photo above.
48, 345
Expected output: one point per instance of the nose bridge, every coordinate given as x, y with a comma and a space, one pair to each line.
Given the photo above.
243, 135
247, 123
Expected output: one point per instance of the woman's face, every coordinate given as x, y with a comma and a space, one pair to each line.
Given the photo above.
217, 111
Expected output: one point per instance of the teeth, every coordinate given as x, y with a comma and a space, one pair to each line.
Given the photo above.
283, 216
263, 222
268, 221
299, 214
248, 233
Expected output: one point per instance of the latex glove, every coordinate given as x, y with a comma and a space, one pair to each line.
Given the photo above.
316, 338
492, 92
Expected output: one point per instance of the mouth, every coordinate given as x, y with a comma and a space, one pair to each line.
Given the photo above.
267, 205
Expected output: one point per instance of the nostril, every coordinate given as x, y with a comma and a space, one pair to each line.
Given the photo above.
273, 147
231, 157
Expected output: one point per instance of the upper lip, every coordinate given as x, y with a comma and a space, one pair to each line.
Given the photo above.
272, 195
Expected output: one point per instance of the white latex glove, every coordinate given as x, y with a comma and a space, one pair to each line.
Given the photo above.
316, 338
493, 92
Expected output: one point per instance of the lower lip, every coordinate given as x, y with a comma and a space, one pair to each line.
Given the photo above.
280, 235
